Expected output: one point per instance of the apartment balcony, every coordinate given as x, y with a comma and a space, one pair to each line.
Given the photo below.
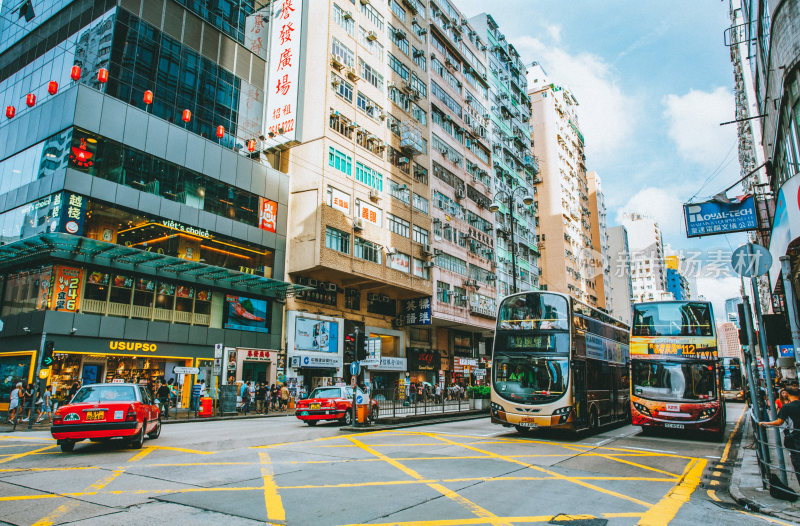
482, 310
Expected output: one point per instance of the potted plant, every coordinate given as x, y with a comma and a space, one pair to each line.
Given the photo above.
479, 397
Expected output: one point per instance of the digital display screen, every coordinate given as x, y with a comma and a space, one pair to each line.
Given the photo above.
316, 335
246, 314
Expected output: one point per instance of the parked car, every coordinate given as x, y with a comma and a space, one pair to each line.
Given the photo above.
331, 403
101, 412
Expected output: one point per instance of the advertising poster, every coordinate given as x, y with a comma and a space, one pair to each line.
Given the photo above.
268, 214
66, 289
316, 335
246, 314
284, 72
707, 218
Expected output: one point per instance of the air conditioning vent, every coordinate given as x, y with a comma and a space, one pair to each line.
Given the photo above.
358, 223
373, 194
427, 250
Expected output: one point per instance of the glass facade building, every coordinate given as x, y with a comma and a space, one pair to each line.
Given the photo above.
137, 240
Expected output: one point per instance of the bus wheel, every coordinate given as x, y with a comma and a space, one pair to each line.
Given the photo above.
522, 430
594, 421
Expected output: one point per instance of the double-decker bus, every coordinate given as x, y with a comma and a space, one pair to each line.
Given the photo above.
558, 363
675, 370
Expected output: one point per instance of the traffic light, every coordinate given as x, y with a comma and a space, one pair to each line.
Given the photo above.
361, 346
47, 355
349, 347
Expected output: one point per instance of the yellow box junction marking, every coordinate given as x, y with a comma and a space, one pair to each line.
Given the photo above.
272, 499
665, 510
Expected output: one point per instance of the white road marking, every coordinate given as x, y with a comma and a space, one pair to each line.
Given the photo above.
653, 450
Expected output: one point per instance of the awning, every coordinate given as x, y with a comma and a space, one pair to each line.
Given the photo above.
45, 248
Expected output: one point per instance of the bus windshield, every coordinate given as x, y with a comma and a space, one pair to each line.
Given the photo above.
672, 319
534, 311
673, 381
527, 378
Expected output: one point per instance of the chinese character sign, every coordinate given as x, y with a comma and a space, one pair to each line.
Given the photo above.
713, 218
284, 71
255, 33
65, 289
370, 213
268, 215
72, 208
416, 312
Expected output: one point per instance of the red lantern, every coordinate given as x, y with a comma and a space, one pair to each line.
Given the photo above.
30, 100
251, 145
102, 75
10, 111
220, 131
75, 74
187, 116
52, 87
148, 97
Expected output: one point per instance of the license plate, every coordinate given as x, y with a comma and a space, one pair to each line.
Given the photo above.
673, 407
313, 406
674, 426
528, 424
95, 415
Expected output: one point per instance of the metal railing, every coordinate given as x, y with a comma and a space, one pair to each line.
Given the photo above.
774, 458
394, 402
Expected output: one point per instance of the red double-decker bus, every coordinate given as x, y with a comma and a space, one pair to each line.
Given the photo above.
675, 369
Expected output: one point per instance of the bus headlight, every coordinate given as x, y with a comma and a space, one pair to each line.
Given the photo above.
563, 413
642, 409
707, 413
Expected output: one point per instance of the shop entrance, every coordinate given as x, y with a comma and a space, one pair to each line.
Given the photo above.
255, 371
316, 377
92, 373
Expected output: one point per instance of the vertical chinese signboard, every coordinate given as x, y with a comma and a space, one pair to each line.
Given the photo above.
72, 209
65, 289
284, 71
415, 312
268, 214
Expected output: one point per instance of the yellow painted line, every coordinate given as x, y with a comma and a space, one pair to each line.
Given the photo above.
665, 510
382, 445
179, 465
621, 515
497, 520
452, 495
311, 441
623, 461
765, 518
15, 470
272, 499
713, 495
102, 483
549, 472
9, 437
65, 508
183, 450
360, 484
727, 449
141, 454
20, 455
30, 497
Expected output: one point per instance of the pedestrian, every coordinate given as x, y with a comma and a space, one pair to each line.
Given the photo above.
273, 397
261, 398
173, 392
46, 407
74, 389
439, 393
163, 399
13, 406
246, 398
203, 389
28, 402
790, 415
284, 397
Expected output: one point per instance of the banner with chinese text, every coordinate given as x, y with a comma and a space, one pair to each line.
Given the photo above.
284, 71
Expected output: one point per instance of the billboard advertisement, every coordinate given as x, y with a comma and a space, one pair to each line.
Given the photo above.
711, 218
286, 33
65, 289
246, 314
268, 214
316, 335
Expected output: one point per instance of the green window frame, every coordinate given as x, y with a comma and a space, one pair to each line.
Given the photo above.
340, 160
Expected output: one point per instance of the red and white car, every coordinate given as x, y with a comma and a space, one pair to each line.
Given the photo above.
332, 403
105, 411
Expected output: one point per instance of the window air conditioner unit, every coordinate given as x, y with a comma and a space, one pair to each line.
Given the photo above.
364, 2
373, 194
427, 250
358, 223
437, 252
337, 62
372, 36
348, 15
428, 264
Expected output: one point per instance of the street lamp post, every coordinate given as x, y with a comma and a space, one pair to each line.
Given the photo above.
494, 207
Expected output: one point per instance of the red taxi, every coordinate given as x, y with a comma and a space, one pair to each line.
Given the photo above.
105, 411
332, 403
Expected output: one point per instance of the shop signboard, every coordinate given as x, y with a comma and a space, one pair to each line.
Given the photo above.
255, 355
217, 368
415, 311
319, 362
268, 214
73, 212
246, 314
712, 218
390, 363
186, 370
285, 62
423, 359
65, 289
316, 335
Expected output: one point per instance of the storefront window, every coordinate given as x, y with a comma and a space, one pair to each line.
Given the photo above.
26, 291
143, 295
13, 369
120, 297
96, 286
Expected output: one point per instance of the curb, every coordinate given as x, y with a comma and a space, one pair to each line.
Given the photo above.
419, 421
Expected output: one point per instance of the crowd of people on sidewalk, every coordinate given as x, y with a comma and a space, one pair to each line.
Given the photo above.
259, 398
425, 392
22, 405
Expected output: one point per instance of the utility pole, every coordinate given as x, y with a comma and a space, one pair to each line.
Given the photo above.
36, 379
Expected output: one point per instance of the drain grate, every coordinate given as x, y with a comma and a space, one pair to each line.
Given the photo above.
577, 520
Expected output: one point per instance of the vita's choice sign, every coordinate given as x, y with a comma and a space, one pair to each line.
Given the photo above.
712, 218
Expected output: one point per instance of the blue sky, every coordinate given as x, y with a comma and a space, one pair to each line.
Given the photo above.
653, 81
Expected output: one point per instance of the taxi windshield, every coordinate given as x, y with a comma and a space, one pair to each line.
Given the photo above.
105, 393
326, 392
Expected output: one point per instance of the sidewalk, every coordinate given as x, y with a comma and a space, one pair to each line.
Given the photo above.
746, 486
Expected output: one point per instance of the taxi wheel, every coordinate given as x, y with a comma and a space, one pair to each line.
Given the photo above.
67, 446
311, 423
155, 433
522, 430
136, 443
348, 418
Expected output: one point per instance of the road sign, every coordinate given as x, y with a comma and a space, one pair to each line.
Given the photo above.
186, 370
751, 260
355, 368
44, 373
361, 399
353, 381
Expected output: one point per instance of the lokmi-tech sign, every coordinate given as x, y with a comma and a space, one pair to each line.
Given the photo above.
712, 218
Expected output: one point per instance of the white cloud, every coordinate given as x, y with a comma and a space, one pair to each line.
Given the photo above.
717, 290
694, 124
659, 203
607, 113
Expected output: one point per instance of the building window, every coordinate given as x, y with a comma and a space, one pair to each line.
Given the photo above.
398, 226
452, 263
443, 292
460, 297
421, 269
448, 101
399, 38
372, 14
399, 68
420, 174
420, 235
370, 74
368, 250
346, 22
340, 161
419, 114
418, 56
420, 204
381, 304
400, 261
343, 88
337, 240
398, 10
368, 106
419, 335
368, 176
352, 299
342, 52
366, 40
419, 85
400, 192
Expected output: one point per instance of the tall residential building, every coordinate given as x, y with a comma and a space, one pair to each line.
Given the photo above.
142, 224
619, 275
648, 271
728, 340
515, 167
465, 278
562, 198
600, 265
677, 284
360, 233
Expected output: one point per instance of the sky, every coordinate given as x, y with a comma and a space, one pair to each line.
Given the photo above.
653, 81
